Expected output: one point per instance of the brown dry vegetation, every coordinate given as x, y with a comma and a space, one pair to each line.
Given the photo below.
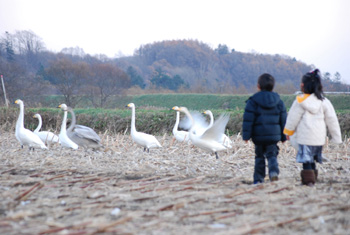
177, 189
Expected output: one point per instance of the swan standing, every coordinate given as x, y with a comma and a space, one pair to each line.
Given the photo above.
82, 135
145, 140
64, 139
210, 139
46, 136
23, 135
182, 136
224, 139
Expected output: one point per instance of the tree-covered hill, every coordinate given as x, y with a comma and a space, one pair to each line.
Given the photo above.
215, 70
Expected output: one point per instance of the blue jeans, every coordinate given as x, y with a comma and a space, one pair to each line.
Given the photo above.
269, 152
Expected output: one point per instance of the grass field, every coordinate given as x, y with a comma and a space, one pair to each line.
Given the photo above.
341, 102
221, 102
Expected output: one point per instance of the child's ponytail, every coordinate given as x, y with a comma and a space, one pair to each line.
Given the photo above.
312, 84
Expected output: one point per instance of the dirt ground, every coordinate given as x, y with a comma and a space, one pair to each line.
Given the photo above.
177, 189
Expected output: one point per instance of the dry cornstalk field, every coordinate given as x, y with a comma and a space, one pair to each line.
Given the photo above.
177, 189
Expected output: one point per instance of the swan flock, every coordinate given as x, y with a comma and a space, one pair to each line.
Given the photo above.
206, 136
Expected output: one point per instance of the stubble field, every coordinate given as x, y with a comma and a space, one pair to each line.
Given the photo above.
176, 189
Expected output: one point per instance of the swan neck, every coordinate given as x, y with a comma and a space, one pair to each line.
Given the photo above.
74, 120
39, 124
211, 120
64, 125
133, 128
177, 121
20, 120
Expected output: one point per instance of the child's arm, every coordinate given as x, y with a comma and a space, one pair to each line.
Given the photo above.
283, 118
332, 122
294, 116
248, 120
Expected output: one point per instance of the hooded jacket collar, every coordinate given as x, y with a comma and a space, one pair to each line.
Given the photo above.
309, 102
266, 99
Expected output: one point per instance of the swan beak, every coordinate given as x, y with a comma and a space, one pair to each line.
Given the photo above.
16, 102
127, 106
59, 106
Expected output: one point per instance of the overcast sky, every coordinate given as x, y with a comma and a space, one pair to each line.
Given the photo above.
316, 32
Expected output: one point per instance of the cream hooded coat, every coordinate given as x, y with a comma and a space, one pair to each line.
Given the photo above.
308, 119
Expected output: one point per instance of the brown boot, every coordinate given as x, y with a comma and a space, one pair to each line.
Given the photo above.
308, 177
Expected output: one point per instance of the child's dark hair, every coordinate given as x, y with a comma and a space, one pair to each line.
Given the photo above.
266, 82
312, 84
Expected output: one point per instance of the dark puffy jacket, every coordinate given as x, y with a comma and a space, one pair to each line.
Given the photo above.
264, 118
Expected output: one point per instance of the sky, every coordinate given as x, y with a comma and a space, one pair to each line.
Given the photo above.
315, 32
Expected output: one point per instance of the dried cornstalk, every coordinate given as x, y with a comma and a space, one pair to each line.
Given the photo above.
105, 228
25, 195
56, 230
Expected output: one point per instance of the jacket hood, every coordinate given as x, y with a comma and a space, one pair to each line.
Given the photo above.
309, 102
266, 99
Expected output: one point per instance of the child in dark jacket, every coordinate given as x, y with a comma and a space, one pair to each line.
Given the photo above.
263, 122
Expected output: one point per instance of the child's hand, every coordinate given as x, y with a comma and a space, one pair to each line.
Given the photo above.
287, 136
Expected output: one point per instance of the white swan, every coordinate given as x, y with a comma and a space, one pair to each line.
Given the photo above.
82, 135
46, 136
23, 135
224, 139
210, 139
145, 140
200, 123
179, 135
64, 139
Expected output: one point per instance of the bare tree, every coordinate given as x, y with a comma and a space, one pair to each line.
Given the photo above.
27, 42
106, 80
69, 78
74, 51
28, 46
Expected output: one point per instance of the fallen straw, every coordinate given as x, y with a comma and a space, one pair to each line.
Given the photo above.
25, 195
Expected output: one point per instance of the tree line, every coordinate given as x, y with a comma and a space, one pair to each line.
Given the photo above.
30, 70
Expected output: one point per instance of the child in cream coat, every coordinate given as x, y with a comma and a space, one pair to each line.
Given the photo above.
308, 118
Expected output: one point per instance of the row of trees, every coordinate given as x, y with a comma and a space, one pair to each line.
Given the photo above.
97, 81
178, 65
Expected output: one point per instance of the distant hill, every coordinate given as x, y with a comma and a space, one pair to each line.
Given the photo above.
215, 70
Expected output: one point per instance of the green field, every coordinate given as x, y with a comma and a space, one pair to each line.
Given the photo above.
192, 101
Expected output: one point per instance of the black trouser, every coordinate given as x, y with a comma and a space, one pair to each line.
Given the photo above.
309, 166
269, 152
